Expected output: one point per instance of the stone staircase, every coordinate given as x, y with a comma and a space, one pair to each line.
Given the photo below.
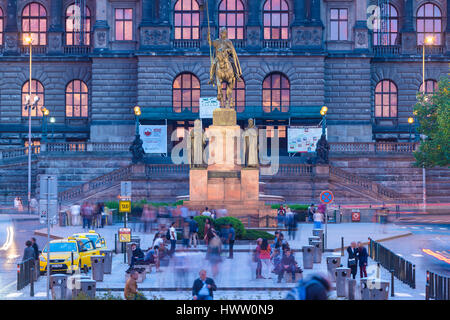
14, 182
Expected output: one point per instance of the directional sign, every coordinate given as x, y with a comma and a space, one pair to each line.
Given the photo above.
125, 189
125, 206
124, 235
326, 197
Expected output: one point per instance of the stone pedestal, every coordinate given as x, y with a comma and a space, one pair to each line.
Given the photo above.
224, 148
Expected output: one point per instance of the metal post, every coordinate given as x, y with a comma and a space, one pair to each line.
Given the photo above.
414, 276
29, 133
378, 270
32, 279
324, 240
392, 283
48, 238
342, 246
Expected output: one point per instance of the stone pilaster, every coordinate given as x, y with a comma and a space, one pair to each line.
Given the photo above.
447, 31
315, 13
361, 32
11, 31
55, 31
407, 32
154, 31
254, 25
204, 25
101, 28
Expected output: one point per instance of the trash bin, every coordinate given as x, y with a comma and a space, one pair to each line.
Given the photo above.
62, 218
365, 291
74, 286
58, 284
308, 257
342, 274
313, 238
107, 265
374, 289
318, 233
97, 263
332, 264
76, 218
317, 251
351, 289
88, 287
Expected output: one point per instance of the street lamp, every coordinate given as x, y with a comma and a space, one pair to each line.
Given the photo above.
429, 40
45, 113
323, 112
52, 121
137, 113
410, 121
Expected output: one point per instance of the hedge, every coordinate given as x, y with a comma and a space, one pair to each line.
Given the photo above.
252, 234
218, 223
297, 207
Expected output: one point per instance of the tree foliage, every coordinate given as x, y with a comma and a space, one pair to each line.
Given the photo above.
433, 115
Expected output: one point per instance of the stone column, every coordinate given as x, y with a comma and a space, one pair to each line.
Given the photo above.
55, 31
315, 13
154, 28
307, 29
204, 24
254, 25
11, 30
101, 28
361, 35
299, 12
147, 12
407, 33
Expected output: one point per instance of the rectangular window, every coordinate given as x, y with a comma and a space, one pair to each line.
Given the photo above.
339, 24
124, 24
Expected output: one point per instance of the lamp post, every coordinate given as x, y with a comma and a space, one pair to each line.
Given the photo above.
137, 113
45, 113
323, 112
52, 121
136, 148
427, 41
410, 121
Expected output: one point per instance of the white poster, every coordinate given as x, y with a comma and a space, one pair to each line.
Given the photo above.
207, 106
154, 138
304, 139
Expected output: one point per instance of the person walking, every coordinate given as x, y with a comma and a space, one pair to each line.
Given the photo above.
173, 238
290, 223
352, 261
203, 287
318, 218
265, 259
231, 238
34, 205
206, 213
362, 257
35, 248
28, 252
214, 253
206, 231
311, 211
281, 216
185, 234
256, 254
193, 232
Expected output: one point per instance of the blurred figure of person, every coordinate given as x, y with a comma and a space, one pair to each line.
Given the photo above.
311, 211
276, 260
157, 240
352, 261
75, 213
193, 232
231, 238
214, 252
318, 218
224, 236
16, 203
206, 231
185, 234
152, 256
28, 252
100, 215
288, 264
206, 212
180, 265
281, 212
290, 223
213, 214
86, 215
136, 255
35, 248
256, 258
173, 238
314, 287
203, 287
184, 213
34, 205
362, 257
146, 217
264, 256
131, 288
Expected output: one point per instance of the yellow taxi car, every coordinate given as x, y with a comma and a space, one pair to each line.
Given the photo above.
95, 237
68, 255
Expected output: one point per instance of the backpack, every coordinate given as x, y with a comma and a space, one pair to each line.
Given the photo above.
299, 292
168, 234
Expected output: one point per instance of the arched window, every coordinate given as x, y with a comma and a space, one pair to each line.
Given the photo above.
276, 20
187, 20
78, 25
276, 93
238, 95
2, 19
431, 86
429, 23
231, 16
385, 29
186, 92
37, 89
386, 99
34, 22
77, 99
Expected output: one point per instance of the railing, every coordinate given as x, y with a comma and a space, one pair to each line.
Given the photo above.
66, 147
77, 50
97, 185
186, 44
25, 271
431, 49
277, 44
437, 287
402, 269
158, 169
386, 50
36, 49
19, 152
108, 146
87, 146
373, 147
239, 43
294, 169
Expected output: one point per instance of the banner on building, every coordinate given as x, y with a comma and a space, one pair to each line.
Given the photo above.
207, 106
303, 139
154, 138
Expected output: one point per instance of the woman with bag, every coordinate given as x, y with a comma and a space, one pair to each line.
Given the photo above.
264, 256
352, 262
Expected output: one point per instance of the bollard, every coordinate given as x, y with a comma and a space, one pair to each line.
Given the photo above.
392, 283
308, 257
342, 246
374, 289
97, 263
107, 265
58, 285
351, 289
319, 233
32, 280
342, 274
88, 287
317, 251
365, 292
332, 264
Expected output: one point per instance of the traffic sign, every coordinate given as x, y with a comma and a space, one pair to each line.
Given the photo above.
124, 235
326, 197
125, 206
125, 189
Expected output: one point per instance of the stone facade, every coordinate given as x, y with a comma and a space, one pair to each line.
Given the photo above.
120, 74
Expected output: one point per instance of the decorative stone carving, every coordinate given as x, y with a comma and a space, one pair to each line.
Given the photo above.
55, 42
251, 145
155, 37
361, 39
11, 42
307, 37
253, 38
100, 39
323, 148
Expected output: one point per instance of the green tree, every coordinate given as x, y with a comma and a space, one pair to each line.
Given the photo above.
433, 115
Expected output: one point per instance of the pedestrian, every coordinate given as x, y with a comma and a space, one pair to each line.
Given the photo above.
193, 232
362, 257
136, 255
35, 248
231, 238
318, 218
311, 211
256, 258
314, 287
288, 264
34, 205
130, 291
184, 213
101, 214
173, 238
206, 212
28, 252
290, 223
157, 240
214, 252
203, 287
280, 216
264, 256
146, 217
206, 230
185, 234
152, 256
352, 262
224, 235
75, 214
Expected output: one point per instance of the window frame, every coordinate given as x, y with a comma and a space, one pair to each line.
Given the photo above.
271, 12
123, 20
190, 26
37, 112
73, 34
338, 20
390, 93
383, 32
193, 104
226, 12
435, 87
40, 18
2, 26
271, 107
72, 99
432, 18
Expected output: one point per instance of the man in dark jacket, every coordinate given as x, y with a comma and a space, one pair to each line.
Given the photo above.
203, 287
362, 260
28, 252
35, 248
136, 255
352, 262
288, 264
314, 287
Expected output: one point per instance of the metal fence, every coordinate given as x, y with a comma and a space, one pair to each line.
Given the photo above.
402, 269
25, 271
437, 287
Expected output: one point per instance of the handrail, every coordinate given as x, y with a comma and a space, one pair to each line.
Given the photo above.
373, 147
